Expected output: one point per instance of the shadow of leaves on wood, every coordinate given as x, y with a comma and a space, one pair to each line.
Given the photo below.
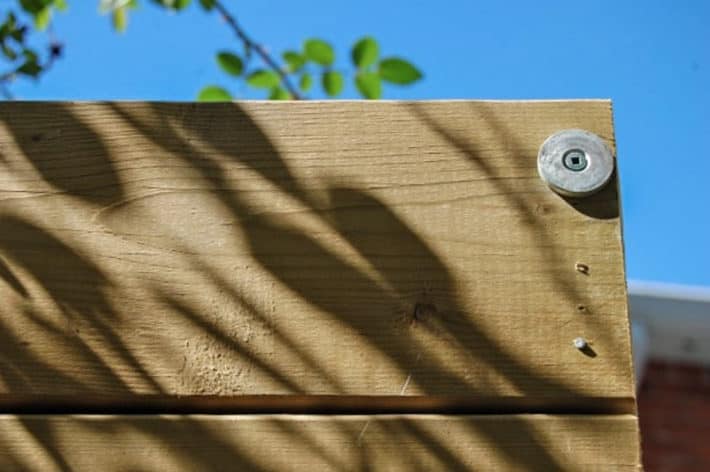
9, 277
604, 206
227, 130
67, 153
75, 283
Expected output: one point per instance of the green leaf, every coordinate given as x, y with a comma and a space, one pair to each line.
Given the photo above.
119, 19
176, 5
294, 60
305, 83
207, 4
278, 93
7, 26
108, 6
30, 55
333, 82
60, 5
263, 78
399, 71
42, 18
230, 63
33, 7
365, 52
10, 27
8, 52
369, 85
213, 93
319, 51
30, 68
18, 35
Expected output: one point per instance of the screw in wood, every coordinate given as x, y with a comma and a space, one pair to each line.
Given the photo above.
575, 160
580, 343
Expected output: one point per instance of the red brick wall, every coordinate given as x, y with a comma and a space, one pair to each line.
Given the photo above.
674, 414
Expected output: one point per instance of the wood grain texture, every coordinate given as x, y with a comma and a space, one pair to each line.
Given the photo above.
341, 248
323, 443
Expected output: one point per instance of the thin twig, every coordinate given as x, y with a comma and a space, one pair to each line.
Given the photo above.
250, 43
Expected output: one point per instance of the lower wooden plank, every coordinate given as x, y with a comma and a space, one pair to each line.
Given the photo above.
318, 442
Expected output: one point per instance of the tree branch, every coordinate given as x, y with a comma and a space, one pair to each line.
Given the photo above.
55, 50
258, 48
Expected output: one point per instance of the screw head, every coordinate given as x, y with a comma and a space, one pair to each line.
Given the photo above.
575, 160
580, 343
582, 268
575, 163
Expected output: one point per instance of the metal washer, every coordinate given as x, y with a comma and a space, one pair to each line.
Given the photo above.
569, 181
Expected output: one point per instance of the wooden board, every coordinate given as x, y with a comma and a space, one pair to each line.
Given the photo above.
307, 443
341, 248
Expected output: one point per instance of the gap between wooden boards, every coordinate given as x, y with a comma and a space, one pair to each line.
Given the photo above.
311, 404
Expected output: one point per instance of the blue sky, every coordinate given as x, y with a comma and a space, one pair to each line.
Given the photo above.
651, 58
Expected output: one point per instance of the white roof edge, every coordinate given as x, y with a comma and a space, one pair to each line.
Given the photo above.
669, 291
675, 319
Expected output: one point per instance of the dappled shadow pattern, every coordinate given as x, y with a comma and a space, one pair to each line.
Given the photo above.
66, 151
314, 276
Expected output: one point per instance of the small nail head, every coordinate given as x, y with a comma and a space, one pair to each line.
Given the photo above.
580, 343
582, 268
575, 162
